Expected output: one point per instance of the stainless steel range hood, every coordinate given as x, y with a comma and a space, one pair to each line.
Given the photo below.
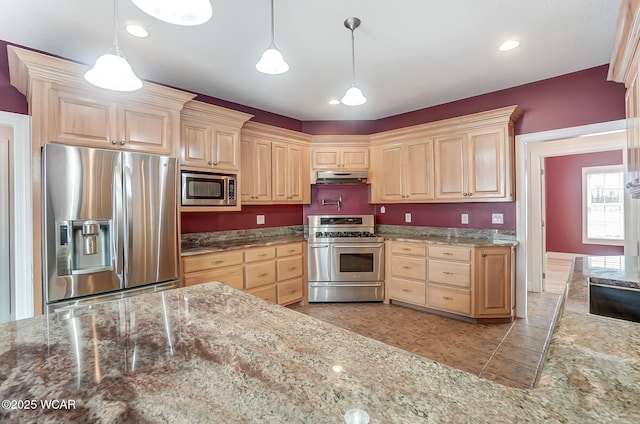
338, 177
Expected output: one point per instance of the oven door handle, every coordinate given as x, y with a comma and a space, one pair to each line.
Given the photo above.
343, 284
358, 245
318, 246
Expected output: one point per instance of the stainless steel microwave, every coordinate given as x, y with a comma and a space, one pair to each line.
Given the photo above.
205, 189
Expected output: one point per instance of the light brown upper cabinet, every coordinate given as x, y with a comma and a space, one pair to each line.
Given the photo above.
473, 165
210, 137
623, 67
402, 172
464, 159
66, 109
275, 165
340, 158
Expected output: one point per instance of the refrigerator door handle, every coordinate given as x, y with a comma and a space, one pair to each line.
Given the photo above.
127, 222
119, 219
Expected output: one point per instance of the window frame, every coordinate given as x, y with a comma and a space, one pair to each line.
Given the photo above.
606, 169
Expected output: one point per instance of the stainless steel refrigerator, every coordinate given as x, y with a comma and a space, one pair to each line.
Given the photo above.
109, 224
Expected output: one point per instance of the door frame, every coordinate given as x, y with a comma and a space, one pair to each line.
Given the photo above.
531, 149
20, 231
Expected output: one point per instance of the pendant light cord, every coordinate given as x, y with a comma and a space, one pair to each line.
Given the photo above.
115, 27
273, 26
353, 58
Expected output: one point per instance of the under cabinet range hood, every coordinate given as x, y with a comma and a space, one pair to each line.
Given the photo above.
337, 177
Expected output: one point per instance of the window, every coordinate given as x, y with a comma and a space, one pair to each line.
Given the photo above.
603, 205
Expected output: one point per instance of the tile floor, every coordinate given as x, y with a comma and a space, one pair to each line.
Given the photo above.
511, 354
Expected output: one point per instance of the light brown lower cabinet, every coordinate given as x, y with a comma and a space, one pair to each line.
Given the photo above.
475, 282
275, 273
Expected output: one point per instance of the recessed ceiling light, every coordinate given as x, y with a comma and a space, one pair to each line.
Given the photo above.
137, 30
334, 102
509, 45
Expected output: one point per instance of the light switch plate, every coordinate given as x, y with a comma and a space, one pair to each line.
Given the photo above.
464, 218
497, 218
260, 219
407, 217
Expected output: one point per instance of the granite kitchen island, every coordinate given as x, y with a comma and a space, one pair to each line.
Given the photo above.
210, 353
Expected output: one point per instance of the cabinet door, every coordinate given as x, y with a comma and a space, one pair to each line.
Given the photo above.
256, 170
325, 158
418, 173
279, 172
80, 119
390, 181
493, 282
195, 145
299, 188
487, 163
450, 167
145, 128
225, 148
355, 157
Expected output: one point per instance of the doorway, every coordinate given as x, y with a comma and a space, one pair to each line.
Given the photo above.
531, 149
16, 240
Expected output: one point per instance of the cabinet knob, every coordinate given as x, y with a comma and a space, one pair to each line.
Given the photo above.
215, 163
469, 194
465, 194
210, 163
122, 142
484, 255
113, 142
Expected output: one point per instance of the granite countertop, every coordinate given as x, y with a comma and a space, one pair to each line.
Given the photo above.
621, 271
449, 240
222, 245
210, 353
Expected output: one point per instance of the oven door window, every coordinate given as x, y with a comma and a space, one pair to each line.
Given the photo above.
357, 262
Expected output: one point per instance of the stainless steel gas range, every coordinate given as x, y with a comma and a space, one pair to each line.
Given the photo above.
346, 259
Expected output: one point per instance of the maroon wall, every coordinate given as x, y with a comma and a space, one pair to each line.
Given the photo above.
570, 100
579, 98
355, 200
274, 216
563, 186
11, 100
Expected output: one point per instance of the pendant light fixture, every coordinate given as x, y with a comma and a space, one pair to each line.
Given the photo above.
112, 71
353, 96
272, 61
177, 12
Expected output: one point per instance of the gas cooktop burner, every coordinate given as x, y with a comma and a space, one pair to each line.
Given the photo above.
337, 234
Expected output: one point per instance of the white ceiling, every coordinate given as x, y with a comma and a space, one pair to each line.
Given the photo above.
410, 54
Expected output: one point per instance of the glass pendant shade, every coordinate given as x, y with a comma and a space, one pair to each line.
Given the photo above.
177, 12
353, 97
272, 62
113, 72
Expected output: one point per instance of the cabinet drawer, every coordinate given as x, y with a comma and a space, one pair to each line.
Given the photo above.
211, 261
454, 273
289, 268
259, 254
231, 276
408, 267
413, 249
449, 299
289, 250
259, 274
450, 252
407, 291
290, 291
266, 293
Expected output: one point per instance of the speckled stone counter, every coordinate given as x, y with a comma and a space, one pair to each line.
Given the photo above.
453, 240
448, 236
222, 245
209, 353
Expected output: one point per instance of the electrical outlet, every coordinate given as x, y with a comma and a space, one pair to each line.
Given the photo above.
260, 219
407, 217
497, 218
464, 218
382, 209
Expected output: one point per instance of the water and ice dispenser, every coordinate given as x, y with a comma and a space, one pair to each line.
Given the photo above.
83, 246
